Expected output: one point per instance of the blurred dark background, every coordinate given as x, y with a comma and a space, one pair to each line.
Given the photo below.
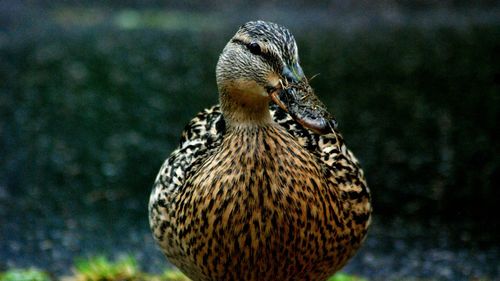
93, 98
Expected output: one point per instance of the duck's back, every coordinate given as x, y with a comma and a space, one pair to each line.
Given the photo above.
273, 203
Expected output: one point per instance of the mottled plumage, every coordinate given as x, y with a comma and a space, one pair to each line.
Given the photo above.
250, 194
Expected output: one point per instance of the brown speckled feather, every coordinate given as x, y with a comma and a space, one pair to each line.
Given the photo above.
276, 202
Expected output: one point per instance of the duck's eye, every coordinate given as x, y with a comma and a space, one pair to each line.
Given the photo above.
254, 48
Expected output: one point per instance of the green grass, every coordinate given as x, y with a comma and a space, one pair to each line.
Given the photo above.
346, 277
25, 274
100, 268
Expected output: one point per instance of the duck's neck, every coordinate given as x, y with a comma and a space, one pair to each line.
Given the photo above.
245, 109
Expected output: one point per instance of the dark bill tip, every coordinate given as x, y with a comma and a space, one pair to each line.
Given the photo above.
304, 106
317, 124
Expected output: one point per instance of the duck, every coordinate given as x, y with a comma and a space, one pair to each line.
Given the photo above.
262, 185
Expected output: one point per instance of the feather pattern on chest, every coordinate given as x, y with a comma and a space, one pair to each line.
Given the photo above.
273, 202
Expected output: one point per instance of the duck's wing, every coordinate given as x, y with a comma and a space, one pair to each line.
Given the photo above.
203, 133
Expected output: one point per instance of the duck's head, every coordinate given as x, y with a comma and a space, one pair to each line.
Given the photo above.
254, 68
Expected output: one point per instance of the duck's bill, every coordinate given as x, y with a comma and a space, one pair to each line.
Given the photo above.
299, 100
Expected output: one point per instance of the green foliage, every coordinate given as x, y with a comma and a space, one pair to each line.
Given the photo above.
30, 274
101, 269
345, 277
